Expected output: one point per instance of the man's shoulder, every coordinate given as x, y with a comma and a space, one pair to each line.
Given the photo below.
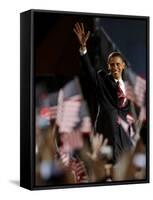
102, 73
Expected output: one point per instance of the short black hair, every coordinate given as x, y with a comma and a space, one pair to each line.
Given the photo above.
116, 54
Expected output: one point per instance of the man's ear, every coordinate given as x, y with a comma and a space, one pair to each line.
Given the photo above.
124, 65
108, 67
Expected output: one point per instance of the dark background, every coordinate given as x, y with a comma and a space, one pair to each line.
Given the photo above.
56, 46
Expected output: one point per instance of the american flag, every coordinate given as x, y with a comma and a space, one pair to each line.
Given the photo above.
73, 120
60, 103
127, 125
140, 90
70, 114
71, 141
136, 89
76, 167
65, 157
69, 102
142, 114
48, 105
79, 171
48, 113
123, 124
86, 125
136, 92
130, 92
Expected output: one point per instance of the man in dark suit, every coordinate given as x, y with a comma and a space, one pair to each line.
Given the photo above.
114, 107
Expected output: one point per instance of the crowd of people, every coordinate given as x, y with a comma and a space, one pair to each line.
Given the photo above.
68, 150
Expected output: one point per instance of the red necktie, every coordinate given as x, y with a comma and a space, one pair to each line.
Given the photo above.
121, 96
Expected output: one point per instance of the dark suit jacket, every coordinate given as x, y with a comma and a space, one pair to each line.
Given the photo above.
108, 109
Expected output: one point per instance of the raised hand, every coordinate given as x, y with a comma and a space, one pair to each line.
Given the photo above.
97, 141
80, 33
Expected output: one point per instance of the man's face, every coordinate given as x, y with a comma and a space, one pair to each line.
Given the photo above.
116, 66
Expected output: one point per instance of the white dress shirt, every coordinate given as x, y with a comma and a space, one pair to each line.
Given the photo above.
122, 85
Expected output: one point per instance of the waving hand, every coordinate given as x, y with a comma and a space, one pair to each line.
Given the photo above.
80, 33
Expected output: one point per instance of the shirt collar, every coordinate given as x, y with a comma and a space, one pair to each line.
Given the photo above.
120, 80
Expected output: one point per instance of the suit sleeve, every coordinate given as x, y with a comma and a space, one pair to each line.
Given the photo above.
88, 68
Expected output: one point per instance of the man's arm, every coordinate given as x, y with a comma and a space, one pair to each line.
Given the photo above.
86, 64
